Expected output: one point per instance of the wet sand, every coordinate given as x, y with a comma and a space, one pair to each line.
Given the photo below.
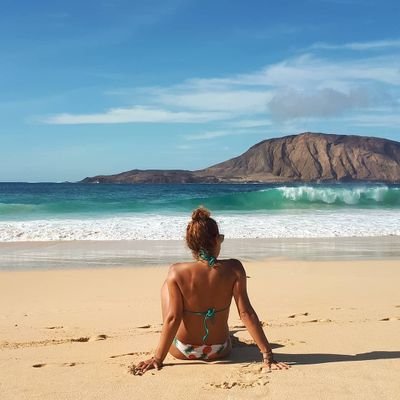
138, 253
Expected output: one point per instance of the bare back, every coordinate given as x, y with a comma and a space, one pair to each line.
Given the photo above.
203, 288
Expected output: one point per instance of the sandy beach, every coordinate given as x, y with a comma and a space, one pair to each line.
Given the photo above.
74, 333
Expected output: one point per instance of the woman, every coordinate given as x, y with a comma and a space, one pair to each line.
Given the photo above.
195, 300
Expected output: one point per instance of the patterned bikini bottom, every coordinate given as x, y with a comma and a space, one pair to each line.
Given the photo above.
202, 352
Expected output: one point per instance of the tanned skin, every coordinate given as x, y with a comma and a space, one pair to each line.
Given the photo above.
194, 286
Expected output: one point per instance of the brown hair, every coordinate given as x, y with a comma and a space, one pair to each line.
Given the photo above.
201, 232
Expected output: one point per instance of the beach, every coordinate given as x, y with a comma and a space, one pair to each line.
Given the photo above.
81, 267
70, 333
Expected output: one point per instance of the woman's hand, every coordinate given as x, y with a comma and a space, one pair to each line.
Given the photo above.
144, 366
271, 363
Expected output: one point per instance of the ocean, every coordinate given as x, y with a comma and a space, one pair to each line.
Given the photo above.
64, 211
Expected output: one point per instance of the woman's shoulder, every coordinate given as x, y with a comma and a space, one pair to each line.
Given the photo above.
234, 262
179, 267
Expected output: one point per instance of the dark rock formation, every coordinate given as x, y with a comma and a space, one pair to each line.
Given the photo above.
152, 176
307, 157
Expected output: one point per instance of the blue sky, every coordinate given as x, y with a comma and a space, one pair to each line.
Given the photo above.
100, 87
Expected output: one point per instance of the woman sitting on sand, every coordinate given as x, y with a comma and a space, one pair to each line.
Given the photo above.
195, 301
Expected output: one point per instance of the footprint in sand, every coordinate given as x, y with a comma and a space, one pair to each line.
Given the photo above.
70, 364
85, 339
67, 364
137, 353
38, 365
247, 376
155, 328
318, 320
298, 315
16, 345
51, 342
97, 338
287, 342
82, 339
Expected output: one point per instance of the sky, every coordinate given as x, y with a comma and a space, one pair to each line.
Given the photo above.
101, 87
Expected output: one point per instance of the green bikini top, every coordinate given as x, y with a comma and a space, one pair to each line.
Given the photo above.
210, 313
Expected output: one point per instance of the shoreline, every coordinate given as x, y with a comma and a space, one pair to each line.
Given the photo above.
155, 253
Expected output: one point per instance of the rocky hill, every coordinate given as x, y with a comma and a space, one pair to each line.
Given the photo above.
307, 157
152, 176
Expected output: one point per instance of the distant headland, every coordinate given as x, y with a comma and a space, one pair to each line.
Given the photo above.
306, 157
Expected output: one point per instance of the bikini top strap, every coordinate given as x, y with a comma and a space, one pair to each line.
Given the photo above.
210, 313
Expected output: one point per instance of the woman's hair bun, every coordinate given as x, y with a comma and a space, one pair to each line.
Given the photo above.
200, 213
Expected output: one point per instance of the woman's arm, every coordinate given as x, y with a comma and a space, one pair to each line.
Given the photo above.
170, 326
250, 318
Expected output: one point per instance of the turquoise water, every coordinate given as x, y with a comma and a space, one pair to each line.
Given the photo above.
49, 211
20, 201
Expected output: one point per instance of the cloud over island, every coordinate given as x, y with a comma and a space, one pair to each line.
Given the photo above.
305, 86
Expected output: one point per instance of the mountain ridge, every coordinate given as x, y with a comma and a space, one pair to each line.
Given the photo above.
306, 157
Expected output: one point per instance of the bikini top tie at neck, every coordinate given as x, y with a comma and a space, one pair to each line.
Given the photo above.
206, 257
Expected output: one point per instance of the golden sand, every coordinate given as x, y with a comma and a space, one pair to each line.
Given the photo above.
74, 334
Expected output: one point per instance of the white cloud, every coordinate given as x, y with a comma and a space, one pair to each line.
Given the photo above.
309, 71
290, 104
135, 114
242, 101
360, 46
208, 135
250, 123
251, 93
218, 133
377, 120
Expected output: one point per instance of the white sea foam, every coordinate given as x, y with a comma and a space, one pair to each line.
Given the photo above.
333, 194
172, 227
